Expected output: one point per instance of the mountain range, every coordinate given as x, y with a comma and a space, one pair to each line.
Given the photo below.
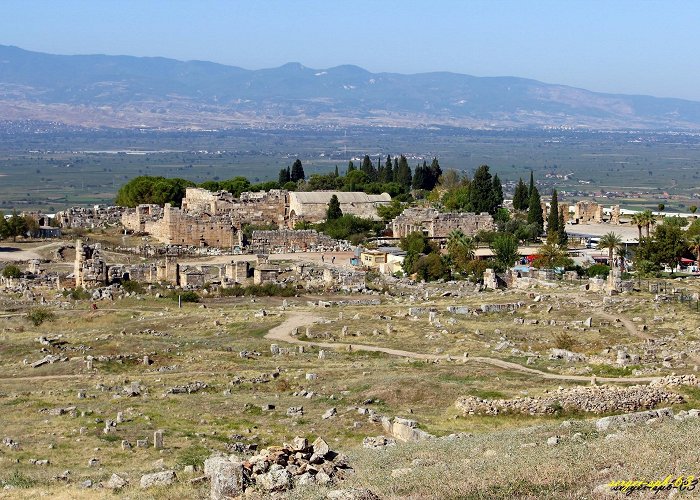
154, 92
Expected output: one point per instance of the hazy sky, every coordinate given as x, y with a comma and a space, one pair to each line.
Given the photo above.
641, 47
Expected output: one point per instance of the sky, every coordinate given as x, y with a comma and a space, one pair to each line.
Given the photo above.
617, 46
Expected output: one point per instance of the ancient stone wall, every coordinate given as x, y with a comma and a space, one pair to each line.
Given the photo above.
586, 212
96, 217
134, 219
90, 269
180, 228
439, 224
312, 206
286, 240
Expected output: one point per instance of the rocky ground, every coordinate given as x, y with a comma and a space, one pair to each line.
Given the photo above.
412, 390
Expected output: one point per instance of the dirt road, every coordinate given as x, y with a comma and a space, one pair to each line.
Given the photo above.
283, 333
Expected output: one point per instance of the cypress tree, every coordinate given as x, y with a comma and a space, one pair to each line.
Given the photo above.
497, 192
351, 167
553, 218
336, 171
297, 173
396, 169
284, 176
532, 185
334, 211
435, 173
563, 237
534, 210
481, 192
368, 168
520, 197
388, 172
419, 177
403, 172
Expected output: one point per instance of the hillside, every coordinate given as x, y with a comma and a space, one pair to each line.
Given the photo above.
123, 91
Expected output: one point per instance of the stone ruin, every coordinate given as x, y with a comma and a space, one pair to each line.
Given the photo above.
97, 217
437, 224
276, 469
596, 399
290, 240
590, 212
90, 269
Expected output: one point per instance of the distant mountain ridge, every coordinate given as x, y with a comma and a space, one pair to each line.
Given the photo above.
155, 92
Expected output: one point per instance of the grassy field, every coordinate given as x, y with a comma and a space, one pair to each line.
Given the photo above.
196, 344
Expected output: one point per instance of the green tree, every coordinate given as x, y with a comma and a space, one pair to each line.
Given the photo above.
435, 173
450, 180
420, 177
156, 190
351, 167
334, 211
670, 244
638, 220
505, 249
16, 225
457, 199
531, 187
649, 220
481, 198
496, 193
284, 176
236, 185
297, 172
368, 168
355, 181
694, 246
414, 244
520, 196
391, 211
534, 211
4, 228
563, 237
551, 255
431, 267
461, 249
11, 271
387, 174
403, 173
661, 207
553, 219
610, 241
693, 208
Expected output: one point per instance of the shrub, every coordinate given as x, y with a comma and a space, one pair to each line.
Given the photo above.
598, 270
564, 341
77, 294
40, 314
266, 290
132, 286
188, 296
11, 271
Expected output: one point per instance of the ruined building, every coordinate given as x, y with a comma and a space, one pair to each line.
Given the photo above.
312, 206
90, 269
289, 240
216, 219
436, 224
97, 217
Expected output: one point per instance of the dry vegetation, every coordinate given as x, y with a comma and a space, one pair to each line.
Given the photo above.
498, 460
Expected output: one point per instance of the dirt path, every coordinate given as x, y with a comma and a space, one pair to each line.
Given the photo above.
629, 326
284, 331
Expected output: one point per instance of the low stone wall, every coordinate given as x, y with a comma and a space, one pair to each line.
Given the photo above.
601, 399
